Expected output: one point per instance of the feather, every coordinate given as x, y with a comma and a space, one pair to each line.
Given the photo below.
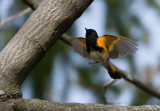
79, 46
119, 46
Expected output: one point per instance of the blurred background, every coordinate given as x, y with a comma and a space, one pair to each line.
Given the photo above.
64, 76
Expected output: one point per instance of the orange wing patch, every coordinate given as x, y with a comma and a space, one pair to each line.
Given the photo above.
101, 43
117, 45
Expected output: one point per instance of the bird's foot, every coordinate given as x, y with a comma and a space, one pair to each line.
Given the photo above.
92, 63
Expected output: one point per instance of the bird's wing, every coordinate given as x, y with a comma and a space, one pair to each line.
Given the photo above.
119, 46
79, 46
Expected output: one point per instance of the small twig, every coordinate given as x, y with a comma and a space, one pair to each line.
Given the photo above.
33, 4
2, 22
105, 89
128, 78
109, 84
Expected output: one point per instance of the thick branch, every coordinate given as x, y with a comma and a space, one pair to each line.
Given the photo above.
39, 105
51, 19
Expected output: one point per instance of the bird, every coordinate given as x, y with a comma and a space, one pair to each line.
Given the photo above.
102, 49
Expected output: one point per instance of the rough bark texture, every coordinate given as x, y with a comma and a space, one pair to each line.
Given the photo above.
39, 105
51, 19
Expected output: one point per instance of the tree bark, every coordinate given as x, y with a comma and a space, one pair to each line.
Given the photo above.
51, 19
39, 105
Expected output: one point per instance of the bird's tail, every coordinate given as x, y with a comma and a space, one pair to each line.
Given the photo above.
113, 71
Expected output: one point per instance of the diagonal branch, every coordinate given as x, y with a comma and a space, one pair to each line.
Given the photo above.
139, 84
127, 77
3, 22
31, 3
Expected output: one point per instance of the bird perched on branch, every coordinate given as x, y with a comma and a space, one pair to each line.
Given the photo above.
101, 49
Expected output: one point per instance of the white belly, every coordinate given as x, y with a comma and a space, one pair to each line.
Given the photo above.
101, 58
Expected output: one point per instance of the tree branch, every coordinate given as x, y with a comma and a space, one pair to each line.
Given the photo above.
33, 4
105, 89
139, 84
51, 19
127, 77
39, 105
3, 22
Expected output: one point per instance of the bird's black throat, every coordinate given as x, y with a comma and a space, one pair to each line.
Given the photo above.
91, 40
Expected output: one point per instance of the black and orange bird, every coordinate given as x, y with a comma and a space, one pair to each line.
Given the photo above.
102, 49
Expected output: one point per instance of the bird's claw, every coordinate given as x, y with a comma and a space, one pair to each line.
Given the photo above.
92, 63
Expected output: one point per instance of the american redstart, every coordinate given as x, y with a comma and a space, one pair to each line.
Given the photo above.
101, 49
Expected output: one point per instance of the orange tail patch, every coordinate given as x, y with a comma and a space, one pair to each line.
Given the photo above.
112, 72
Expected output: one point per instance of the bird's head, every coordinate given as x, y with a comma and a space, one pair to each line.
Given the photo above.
91, 33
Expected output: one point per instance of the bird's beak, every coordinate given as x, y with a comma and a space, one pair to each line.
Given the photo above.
86, 29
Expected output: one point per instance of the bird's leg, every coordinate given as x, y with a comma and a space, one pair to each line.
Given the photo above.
92, 62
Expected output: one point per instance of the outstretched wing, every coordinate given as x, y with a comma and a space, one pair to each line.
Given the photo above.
119, 46
79, 46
